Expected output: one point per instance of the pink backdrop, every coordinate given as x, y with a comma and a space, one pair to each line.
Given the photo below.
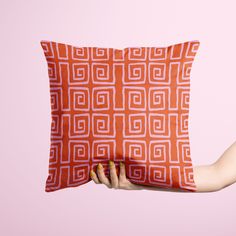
25, 116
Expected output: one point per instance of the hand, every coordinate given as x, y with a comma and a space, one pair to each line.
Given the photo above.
117, 183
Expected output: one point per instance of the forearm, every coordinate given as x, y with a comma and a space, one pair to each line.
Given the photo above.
154, 188
218, 175
226, 166
210, 178
144, 187
206, 178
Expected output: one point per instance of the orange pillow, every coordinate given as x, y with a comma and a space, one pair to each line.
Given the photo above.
129, 105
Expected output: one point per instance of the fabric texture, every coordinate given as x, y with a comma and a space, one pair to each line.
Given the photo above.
129, 105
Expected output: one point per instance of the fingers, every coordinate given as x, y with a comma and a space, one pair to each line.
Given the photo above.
113, 175
122, 175
114, 182
102, 177
94, 177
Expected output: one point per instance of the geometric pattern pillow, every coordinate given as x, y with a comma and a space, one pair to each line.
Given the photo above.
129, 105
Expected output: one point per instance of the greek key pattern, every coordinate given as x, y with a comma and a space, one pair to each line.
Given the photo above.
129, 105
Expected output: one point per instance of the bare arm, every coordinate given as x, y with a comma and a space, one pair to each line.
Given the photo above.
208, 178
218, 175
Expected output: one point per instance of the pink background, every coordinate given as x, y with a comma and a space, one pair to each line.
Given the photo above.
25, 116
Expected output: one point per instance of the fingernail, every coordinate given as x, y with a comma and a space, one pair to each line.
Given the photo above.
99, 166
111, 163
91, 173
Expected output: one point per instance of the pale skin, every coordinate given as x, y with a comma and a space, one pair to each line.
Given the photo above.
208, 178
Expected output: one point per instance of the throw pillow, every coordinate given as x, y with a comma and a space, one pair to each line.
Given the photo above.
129, 105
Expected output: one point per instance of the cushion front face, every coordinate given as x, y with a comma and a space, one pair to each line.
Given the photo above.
129, 105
